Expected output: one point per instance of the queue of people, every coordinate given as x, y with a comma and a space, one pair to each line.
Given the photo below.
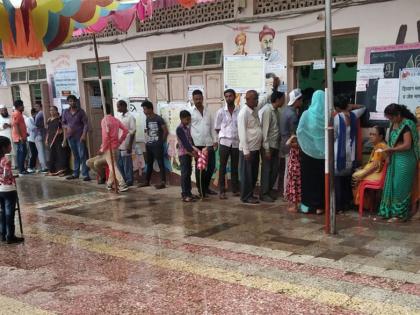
266, 129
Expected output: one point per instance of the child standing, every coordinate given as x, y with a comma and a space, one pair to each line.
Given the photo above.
293, 189
186, 151
8, 194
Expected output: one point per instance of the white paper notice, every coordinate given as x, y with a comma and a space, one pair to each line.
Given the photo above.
370, 71
410, 88
361, 85
388, 92
243, 73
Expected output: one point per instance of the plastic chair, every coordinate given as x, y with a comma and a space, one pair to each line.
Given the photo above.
371, 184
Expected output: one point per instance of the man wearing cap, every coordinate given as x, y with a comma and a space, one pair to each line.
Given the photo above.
266, 37
289, 123
5, 127
270, 125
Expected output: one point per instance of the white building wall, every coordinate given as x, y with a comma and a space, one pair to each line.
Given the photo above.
378, 25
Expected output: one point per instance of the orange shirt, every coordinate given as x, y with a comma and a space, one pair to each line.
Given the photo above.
18, 121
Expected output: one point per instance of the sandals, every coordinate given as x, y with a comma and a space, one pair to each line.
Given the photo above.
188, 199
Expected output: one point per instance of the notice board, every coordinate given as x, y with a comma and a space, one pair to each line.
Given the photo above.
395, 58
244, 73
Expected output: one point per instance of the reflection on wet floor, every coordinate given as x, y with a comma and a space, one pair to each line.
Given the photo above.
89, 251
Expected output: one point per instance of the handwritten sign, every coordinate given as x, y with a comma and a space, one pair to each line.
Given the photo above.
370, 71
244, 73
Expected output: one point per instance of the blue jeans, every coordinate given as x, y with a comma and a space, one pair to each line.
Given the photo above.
21, 155
125, 164
79, 151
8, 206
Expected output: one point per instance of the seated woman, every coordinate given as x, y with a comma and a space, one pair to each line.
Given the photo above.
372, 170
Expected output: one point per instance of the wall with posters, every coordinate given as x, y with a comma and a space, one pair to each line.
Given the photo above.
268, 38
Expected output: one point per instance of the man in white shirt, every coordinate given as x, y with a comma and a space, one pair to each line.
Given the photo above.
125, 160
250, 138
5, 126
270, 124
226, 125
204, 136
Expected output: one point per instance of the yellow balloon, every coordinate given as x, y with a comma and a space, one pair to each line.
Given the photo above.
4, 24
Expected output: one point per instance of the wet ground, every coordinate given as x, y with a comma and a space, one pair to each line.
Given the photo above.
89, 251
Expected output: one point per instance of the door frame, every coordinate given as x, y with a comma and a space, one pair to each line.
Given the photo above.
291, 70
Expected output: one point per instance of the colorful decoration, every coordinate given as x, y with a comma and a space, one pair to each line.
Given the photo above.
202, 159
29, 27
32, 26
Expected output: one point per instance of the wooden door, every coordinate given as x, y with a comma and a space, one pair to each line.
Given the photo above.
213, 89
95, 115
45, 94
159, 89
178, 87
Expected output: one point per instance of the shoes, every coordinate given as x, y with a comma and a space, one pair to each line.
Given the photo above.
71, 177
24, 173
211, 192
44, 171
144, 185
30, 171
109, 187
160, 186
188, 199
273, 194
15, 240
252, 201
223, 196
86, 179
267, 198
123, 188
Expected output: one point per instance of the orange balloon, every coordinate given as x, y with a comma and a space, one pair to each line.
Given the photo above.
187, 3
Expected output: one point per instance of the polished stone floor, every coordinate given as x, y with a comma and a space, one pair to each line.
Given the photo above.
89, 251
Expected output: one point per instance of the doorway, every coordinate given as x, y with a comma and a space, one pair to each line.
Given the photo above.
306, 49
92, 99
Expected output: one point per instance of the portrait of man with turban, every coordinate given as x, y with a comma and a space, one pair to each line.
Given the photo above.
267, 36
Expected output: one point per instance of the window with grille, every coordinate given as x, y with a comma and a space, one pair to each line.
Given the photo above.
18, 76
314, 48
90, 69
178, 16
37, 75
195, 59
109, 31
16, 92
272, 6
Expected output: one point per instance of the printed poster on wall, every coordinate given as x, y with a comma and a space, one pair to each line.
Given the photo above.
244, 73
65, 83
170, 114
410, 88
128, 80
4, 82
136, 110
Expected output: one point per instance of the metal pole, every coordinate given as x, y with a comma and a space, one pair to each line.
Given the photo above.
101, 87
330, 100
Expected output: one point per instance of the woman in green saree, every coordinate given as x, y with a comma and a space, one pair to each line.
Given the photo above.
404, 153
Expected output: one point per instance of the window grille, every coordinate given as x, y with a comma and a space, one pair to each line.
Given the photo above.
272, 6
178, 16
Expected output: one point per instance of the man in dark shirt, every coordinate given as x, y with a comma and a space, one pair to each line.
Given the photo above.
75, 126
156, 134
